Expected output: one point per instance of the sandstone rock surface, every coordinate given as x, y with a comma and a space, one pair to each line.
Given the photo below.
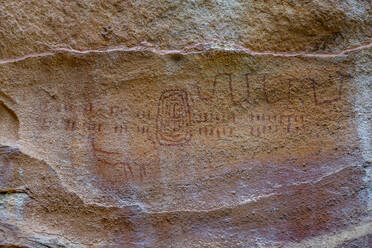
208, 123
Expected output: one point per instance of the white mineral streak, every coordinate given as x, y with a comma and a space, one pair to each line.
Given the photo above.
338, 238
195, 49
363, 106
363, 111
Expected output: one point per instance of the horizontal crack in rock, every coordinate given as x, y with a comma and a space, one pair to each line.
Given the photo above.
13, 191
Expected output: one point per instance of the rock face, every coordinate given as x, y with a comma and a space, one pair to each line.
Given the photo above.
185, 124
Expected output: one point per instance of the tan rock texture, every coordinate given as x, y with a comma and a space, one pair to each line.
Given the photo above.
214, 123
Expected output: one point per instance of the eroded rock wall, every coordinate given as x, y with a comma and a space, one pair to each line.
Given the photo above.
185, 124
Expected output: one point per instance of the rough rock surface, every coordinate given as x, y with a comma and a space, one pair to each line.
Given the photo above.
215, 123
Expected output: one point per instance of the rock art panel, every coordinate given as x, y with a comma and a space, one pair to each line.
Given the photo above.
256, 135
185, 124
